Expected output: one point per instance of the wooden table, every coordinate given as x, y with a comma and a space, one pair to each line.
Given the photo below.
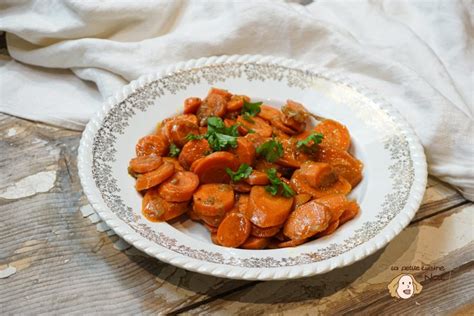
65, 265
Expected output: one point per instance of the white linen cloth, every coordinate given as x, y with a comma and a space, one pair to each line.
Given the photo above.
70, 55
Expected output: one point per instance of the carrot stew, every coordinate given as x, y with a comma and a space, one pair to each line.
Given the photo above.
255, 176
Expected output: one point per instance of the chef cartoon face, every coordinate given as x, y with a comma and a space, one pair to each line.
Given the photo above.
404, 286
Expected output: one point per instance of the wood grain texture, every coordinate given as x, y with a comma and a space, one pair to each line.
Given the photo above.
64, 265
443, 240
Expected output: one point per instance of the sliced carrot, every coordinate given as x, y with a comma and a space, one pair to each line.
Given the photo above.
265, 232
266, 210
234, 230
268, 113
256, 124
152, 145
191, 105
341, 186
263, 165
144, 164
243, 203
212, 168
212, 229
295, 111
301, 199
231, 115
257, 178
278, 123
279, 133
241, 187
331, 229
291, 243
303, 135
300, 185
192, 151
214, 238
156, 209
229, 122
213, 199
256, 139
222, 92
193, 216
202, 130
296, 126
166, 126
175, 162
236, 102
343, 164
214, 105
211, 220
245, 151
318, 174
255, 243
335, 134
180, 187
180, 130
155, 177
336, 204
307, 220
291, 156
352, 209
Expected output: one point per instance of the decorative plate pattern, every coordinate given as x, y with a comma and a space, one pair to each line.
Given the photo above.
395, 166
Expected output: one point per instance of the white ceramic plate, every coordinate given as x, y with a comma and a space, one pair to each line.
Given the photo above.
389, 194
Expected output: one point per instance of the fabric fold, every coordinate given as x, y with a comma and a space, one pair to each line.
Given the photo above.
71, 55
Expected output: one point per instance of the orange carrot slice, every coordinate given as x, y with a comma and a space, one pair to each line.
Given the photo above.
233, 230
155, 177
213, 199
180, 187
307, 220
144, 164
266, 210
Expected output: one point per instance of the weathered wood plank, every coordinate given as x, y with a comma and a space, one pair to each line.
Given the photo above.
63, 263
438, 197
452, 292
444, 240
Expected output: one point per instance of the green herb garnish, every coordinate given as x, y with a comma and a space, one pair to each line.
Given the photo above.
194, 137
243, 172
272, 150
248, 118
251, 109
277, 185
218, 135
174, 150
311, 142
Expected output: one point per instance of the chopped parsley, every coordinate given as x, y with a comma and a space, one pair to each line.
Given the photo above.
311, 142
194, 137
272, 150
218, 135
250, 109
174, 150
277, 185
243, 172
